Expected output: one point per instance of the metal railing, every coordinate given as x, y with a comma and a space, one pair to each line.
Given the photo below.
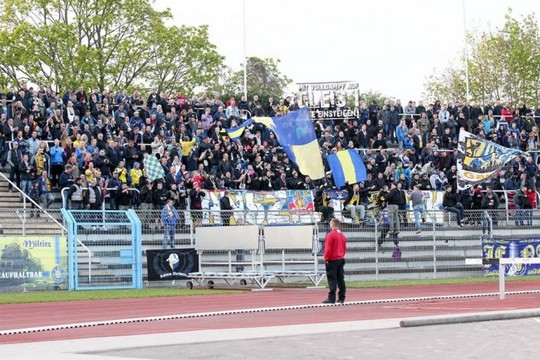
45, 212
103, 204
439, 249
26, 198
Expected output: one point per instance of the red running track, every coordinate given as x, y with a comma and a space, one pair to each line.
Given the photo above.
19, 316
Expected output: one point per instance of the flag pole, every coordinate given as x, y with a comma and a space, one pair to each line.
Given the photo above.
465, 52
245, 52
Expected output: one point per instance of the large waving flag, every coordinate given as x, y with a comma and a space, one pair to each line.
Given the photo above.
236, 132
347, 167
154, 170
478, 159
296, 135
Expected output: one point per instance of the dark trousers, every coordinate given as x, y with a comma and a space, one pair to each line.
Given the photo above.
458, 210
226, 218
56, 170
15, 176
335, 275
327, 212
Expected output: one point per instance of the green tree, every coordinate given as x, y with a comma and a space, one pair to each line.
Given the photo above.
97, 43
183, 58
503, 64
370, 95
263, 79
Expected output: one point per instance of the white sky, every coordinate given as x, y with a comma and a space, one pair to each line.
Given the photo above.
390, 46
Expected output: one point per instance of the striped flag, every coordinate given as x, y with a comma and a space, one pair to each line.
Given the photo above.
236, 132
347, 167
296, 135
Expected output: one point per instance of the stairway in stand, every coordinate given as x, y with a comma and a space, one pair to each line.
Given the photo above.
16, 220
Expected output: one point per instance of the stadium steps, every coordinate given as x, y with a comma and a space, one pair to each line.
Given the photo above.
15, 222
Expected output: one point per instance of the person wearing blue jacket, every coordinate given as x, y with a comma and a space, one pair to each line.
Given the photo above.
169, 217
58, 157
401, 133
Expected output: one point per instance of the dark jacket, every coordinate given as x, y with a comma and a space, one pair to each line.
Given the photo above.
90, 194
450, 199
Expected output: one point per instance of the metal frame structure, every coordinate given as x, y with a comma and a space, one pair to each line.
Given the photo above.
127, 256
256, 241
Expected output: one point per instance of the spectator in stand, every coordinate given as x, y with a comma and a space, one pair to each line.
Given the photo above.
531, 170
409, 111
321, 204
159, 196
451, 204
66, 177
401, 133
438, 181
103, 163
14, 158
180, 203
507, 113
226, 208
373, 111
530, 205
46, 195
75, 195
354, 204
490, 203
28, 174
147, 201
132, 154
113, 186
93, 196
169, 217
393, 122
232, 112
392, 199
58, 156
379, 142
195, 196
123, 197
123, 173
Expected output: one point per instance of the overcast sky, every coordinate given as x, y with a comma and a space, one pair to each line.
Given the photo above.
389, 46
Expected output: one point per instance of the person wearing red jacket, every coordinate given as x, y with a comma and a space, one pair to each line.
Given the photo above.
507, 113
530, 205
334, 258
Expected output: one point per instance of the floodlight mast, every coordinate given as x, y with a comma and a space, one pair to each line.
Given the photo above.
245, 53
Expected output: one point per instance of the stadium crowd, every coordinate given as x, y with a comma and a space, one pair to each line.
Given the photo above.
94, 142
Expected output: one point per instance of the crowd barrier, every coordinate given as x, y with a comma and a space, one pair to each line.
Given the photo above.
438, 251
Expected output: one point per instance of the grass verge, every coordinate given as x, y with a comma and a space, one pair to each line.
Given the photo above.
52, 296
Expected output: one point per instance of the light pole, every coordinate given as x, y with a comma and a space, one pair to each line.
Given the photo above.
245, 53
465, 52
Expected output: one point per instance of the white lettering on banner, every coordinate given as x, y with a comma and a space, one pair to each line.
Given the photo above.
328, 86
175, 273
21, 275
329, 95
334, 113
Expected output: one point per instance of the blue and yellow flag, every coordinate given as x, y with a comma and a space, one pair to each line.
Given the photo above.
347, 167
154, 170
236, 132
296, 135
478, 159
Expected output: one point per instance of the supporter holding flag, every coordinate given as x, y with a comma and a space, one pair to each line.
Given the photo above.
296, 135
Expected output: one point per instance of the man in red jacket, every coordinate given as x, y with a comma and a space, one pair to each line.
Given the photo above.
334, 257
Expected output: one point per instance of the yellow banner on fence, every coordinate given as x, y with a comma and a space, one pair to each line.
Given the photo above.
33, 261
